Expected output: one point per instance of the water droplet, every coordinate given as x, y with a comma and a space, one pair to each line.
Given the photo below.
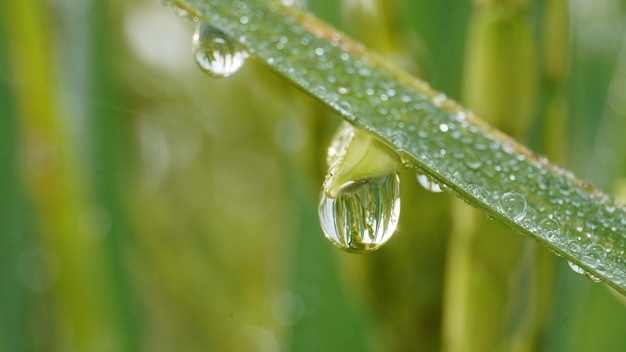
179, 11
550, 229
443, 127
514, 205
593, 255
429, 184
592, 277
471, 160
217, 54
363, 216
579, 270
575, 268
439, 99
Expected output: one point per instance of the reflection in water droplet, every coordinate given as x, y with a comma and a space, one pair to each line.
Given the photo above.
514, 205
429, 184
363, 216
217, 54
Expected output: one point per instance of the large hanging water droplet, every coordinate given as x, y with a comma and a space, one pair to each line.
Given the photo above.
216, 53
364, 215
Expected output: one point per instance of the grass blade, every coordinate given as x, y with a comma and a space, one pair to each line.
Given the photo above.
485, 167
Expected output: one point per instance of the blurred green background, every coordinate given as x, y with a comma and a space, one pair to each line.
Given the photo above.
145, 206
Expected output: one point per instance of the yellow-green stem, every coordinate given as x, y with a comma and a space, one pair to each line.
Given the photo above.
57, 192
490, 274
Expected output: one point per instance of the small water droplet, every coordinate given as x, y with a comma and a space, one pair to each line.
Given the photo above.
439, 99
345, 107
471, 160
217, 54
575, 268
550, 229
593, 255
179, 11
579, 270
363, 216
514, 205
592, 277
443, 127
429, 184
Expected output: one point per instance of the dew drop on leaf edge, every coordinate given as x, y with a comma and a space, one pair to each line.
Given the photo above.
514, 205
428, 184
363, 217
216, 53
575, 268
578, 270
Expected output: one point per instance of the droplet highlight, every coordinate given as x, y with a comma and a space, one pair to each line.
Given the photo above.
363, 216
216, 53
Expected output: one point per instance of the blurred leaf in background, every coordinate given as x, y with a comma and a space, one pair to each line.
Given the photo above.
147, 206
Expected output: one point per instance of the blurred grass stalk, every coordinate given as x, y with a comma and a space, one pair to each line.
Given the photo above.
85, 316
12, 293
504, 279
401, 284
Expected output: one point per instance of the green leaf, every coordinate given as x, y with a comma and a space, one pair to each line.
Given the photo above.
480, 164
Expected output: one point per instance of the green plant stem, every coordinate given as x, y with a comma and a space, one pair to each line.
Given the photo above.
13, 317
489, 273
49, 172
431, 132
